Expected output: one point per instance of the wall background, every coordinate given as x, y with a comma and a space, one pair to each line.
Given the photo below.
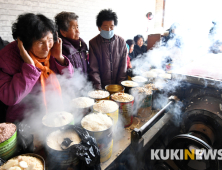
192, 13
131, 14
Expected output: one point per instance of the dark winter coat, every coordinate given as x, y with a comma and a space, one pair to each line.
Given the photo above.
139, 50
3, 43
107, 61
132, 56
75, 53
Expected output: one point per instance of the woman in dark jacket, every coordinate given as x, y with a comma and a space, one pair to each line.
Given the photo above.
139, 48
72, 45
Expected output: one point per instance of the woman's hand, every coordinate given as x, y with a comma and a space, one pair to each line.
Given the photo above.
24, 54
57, 51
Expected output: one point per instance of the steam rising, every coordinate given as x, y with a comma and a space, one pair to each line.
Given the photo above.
199, 32
76, 86
192, 58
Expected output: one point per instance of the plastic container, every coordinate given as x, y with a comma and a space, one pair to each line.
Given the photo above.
8, 147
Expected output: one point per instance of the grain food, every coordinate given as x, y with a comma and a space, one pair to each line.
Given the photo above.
153, 73
55, 139
150, 74
142, 90
106, 106
122, 97
82, 102
157, 73
57, 119
6, 131
98, 94
129, 83
165, 76
150, 86
96, 122
139, 79
23, 163
159, 84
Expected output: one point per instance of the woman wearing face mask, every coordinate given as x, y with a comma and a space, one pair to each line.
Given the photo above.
139, 47
107, 52
73, 47
30, 63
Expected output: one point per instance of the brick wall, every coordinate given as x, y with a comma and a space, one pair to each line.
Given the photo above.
131, 14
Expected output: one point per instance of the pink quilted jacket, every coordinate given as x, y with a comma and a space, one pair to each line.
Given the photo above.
18, 80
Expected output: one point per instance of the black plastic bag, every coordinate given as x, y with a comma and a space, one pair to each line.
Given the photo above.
24, 138
87, 151
2, 161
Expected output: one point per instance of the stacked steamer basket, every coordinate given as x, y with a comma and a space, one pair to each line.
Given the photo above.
100, 126
57, 120
125, 102
108, 107
8, 140
98, 95
82, 106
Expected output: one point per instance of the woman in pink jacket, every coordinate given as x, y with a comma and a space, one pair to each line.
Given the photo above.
29, 63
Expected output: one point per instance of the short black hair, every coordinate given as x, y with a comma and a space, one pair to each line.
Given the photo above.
137, 37
106, 15
63, 19
130, 42
30, 27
